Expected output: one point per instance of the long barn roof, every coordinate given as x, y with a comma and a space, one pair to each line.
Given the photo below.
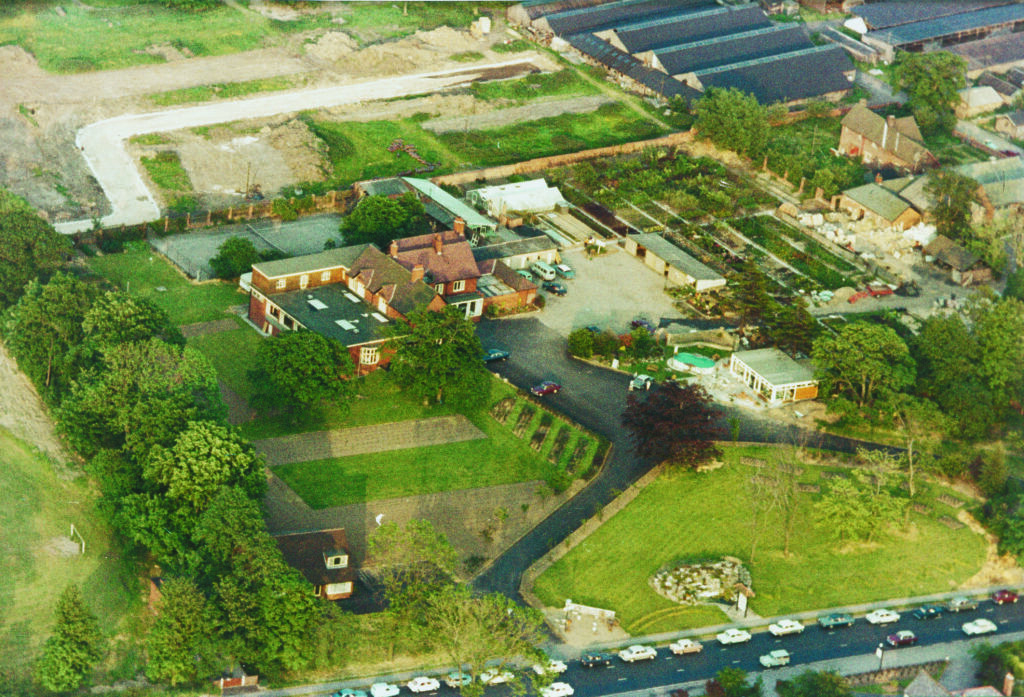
951, 24
722, 50
801, 74
690, 26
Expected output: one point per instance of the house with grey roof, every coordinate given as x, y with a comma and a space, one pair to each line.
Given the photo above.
884, 141
678, 267
1011, 124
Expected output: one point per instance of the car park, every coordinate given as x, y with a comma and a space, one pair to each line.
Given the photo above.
1004, 596
348, 692
554, 287
928, 612
835, 619
903, 637
383, 689
979, 626
638, 652
565, 271
593, 660
457, 679
543, 271
641, 382
785, 627
733, 636
495, 676
684, 646
557, 689
546, 387
962, 604
882, 616
550, 667
775, 659
495, 354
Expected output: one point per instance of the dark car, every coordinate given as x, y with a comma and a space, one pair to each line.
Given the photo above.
495, 354
928, 612
554, 287
901, 638
594, 660
962, 604
836, 619
1004, 596
546, 387
644, 322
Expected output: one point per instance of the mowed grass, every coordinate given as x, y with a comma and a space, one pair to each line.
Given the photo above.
686, 516
223, 350
140, 271
36, 511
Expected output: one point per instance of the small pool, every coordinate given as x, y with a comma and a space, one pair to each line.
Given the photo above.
691, 363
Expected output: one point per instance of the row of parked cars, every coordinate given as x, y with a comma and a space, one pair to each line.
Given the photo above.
457, 679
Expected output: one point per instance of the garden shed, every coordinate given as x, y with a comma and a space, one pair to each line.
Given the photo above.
774, 376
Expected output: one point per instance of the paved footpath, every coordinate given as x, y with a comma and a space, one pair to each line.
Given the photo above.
341, 442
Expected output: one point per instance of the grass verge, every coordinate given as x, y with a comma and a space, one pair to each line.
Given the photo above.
166, 171
224, 90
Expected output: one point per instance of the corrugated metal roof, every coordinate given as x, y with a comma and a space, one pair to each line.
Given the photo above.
609, 14
879, 200
881, 15
802, 74
690, 26
952, 24
722, 50
995, 50
674, 256
474, 220
603, 52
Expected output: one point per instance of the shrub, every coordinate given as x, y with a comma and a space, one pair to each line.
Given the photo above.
581, 343
234, 257
284, 209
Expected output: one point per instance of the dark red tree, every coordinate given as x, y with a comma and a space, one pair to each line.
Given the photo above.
674, 424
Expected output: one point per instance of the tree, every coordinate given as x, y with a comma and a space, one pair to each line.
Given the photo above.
180, 645
757, 497
732, 682
931, 81
753, 303
73, 648
998, 328
411, 556
878, 468
581, 343
782, 477
862, 361
1015, 285
842, 511
921, 423
117, 318
302, 369
235, 256
674, 424
378, 220
438, 357
733, 119
793, 328
953, 193
29, 247
812, 683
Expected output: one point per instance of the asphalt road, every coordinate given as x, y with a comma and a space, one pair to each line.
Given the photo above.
594, 397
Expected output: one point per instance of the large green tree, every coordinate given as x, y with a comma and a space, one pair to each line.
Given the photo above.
438, 357
181, 645
73, 648
953, 193
998, 329
861, 362
235, 256
29, 247
378, 220
812, 683
117, 318
931, 81
301, 369
674, 424
733, 119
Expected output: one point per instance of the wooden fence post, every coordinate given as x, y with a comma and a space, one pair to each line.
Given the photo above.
167, 223
188, 220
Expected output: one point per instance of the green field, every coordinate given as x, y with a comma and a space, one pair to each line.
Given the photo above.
39, 504
688, 516
563, 83
140, 271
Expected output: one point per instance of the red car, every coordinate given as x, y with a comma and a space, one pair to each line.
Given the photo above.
902, 638
1004, 596
546, 387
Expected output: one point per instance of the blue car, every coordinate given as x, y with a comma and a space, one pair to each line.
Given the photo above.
350, 693
495, 354
565, 271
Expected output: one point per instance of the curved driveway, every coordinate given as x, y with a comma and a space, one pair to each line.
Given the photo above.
102, 143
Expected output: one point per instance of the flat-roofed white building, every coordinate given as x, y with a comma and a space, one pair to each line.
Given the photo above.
773, 375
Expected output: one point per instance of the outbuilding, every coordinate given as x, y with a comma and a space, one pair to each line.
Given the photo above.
774, 376
678, 267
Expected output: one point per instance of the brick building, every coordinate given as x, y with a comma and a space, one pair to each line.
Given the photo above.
884, 141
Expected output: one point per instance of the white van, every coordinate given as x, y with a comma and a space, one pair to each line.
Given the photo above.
544, 271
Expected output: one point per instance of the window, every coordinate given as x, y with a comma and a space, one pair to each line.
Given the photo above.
325, 276
281, 283
339, 588
274, 311
303, 280
288, 322
439, 288
458, 286
317, 590
338, 561
369, 355
382, 305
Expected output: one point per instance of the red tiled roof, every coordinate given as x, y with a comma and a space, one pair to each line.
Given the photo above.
454, 263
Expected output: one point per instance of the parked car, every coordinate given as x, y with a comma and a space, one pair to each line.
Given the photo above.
347, 692
495, 354
423, 684
593, 660
542, 270
555, 287
836, 619
784, 627
684, 646
775, 659
979, 626
550, 667
383, 689
641, 321
928, 612
733, 636
546, 387
457, 678
1004, 596
565, 271
961, 604
527, 275
494, 676
641, 382
882, 616
638, 652
557, 689
904, 637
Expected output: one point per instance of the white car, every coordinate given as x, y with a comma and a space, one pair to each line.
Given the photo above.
493, 676
882, 616
979, 626
552, 667
423, 684
733, 636
638, 652
775, 659
383, 689
784, 627
557, 689
685, 646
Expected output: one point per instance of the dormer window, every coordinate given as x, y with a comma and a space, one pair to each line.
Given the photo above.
337, 561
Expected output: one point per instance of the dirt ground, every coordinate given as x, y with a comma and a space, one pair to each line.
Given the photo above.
22, 412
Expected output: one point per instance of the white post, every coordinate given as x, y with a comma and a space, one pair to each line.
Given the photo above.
73, 531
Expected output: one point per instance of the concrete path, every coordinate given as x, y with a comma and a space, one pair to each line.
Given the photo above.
340, 442
102, 143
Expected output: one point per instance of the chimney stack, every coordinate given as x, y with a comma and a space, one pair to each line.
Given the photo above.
459, 225
393, 251
437, 243
417, 273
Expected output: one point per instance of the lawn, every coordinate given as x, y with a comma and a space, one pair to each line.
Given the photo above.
141, 271
688, 516
223, 350
36, 511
